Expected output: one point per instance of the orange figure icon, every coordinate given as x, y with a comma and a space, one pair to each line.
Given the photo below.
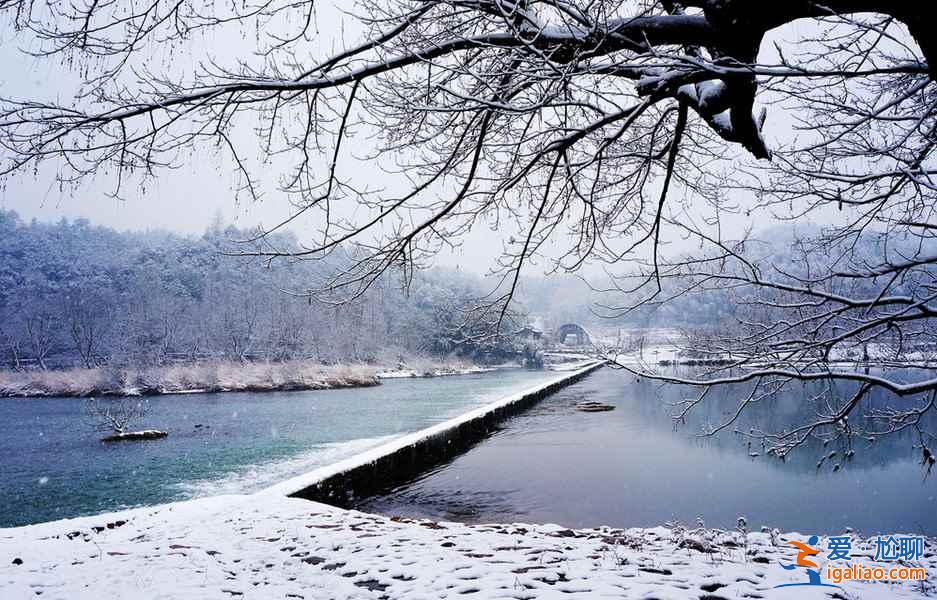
805, 551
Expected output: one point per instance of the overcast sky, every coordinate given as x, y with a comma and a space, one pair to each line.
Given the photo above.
191, 197
187, 199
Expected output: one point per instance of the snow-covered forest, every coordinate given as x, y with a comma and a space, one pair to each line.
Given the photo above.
72, 294
77, 295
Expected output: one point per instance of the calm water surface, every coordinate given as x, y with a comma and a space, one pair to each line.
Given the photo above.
53, 465
632, 467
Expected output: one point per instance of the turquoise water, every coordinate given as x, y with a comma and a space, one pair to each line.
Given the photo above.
54, 465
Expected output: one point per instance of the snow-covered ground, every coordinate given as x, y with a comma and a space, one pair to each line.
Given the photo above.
570, 366
674, 352
404, 373
266, 546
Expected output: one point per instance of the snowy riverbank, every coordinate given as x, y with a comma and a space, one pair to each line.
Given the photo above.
270, 546
435, 370
215, 377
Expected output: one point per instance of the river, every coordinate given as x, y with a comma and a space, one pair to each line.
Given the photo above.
629, 467
54, 466
635, 467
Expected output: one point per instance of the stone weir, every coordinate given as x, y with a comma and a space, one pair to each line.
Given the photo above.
400, 460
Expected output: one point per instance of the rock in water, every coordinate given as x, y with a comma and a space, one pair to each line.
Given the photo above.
130, 436
592, 406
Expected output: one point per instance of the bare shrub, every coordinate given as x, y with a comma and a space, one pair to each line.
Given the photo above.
115, 415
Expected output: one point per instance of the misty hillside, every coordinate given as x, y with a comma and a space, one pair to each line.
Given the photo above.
72, 294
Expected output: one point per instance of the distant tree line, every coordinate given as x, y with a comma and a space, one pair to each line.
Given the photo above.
73, 294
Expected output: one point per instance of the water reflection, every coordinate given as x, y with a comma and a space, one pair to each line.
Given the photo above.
631, 467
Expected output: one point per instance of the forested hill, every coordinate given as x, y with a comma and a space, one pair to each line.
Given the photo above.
75, 294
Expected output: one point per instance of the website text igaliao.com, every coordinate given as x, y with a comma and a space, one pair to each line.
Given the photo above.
859, 572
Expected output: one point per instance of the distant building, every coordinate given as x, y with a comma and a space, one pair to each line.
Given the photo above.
572, 334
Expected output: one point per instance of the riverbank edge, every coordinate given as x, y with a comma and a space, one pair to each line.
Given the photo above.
217, 377
382, 467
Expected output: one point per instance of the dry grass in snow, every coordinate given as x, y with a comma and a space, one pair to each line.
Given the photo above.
204, 377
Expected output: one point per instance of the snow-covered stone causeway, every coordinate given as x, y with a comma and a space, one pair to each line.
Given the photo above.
265, 546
